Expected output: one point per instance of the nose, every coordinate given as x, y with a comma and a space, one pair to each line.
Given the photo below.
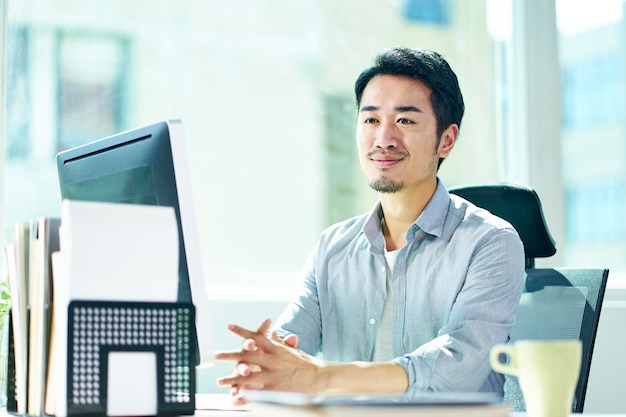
386, 136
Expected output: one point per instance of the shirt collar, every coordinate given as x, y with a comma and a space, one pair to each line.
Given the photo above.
430, 221
372, 228
434, 215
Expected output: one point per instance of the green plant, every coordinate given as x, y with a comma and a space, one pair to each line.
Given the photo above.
5, 305
5, 297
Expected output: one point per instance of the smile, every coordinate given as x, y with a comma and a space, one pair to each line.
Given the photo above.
385, 163
385, 159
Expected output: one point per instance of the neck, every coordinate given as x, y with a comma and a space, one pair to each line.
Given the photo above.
400, 211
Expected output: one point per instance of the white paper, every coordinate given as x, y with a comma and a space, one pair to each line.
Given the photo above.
132, 384
120, 252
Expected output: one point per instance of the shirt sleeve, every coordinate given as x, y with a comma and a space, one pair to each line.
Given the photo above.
302, 316
482, 316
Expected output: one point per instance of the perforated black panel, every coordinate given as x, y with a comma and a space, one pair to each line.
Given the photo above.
97, 328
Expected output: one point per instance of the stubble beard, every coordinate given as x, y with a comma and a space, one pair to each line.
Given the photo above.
385, 185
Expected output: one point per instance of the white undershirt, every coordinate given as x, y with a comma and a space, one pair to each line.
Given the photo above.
383, 347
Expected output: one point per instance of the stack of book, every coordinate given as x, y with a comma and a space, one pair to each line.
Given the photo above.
28, 258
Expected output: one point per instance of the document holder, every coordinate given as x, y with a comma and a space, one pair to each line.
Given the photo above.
97, 329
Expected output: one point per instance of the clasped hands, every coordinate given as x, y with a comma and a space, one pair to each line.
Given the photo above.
268, 362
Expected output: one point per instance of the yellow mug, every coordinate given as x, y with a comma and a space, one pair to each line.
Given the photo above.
547, 371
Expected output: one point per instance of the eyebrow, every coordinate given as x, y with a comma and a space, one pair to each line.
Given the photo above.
399, 109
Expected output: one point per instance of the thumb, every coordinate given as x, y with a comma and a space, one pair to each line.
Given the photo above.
291, 340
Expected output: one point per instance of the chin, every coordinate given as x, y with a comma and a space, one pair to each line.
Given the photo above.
386, 186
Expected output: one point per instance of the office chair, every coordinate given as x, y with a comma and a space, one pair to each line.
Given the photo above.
557, 303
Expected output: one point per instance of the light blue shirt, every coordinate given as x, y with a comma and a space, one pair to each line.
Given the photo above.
456, 284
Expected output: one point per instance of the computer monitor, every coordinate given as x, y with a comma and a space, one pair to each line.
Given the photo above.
147, 165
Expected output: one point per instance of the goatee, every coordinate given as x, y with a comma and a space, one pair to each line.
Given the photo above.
385, 185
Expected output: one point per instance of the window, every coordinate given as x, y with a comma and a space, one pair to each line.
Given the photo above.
428, 11
264, 89
593, 159
342, 168
91, 99
265, 92
596, 212
18, 90
593, 91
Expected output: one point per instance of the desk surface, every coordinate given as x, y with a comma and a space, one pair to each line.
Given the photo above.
226, 413
223, 408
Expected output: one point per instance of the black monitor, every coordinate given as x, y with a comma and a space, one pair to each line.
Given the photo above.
147, 165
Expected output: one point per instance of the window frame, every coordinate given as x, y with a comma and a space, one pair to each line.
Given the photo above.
536, 112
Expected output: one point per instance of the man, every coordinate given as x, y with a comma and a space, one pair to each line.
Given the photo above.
411, 296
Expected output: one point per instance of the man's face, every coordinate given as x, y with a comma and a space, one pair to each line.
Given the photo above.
397, 134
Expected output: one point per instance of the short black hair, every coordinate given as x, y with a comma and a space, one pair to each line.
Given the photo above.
428, 67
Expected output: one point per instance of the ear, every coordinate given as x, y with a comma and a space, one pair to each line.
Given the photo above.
448, 140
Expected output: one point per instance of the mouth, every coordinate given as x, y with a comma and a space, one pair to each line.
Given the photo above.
385, 163
385, 159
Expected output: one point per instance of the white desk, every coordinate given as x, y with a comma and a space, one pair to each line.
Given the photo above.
205, 413
226, 410
222, 401
225, 413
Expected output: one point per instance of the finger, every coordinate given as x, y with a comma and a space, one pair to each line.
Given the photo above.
240, 331
264, 327
243, 369
253, 381
260, 340
237, 355
254, 360
249, 345
228, 355
239, 400
291, 340
228, 381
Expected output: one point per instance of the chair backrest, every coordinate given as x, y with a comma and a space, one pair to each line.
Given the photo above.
521, 207
557, 303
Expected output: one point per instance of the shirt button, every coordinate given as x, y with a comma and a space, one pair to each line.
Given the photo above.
372, 321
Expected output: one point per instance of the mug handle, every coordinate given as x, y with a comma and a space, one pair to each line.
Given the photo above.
497, 365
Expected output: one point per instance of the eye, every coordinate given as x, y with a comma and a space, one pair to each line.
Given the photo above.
404, 121
370, 120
